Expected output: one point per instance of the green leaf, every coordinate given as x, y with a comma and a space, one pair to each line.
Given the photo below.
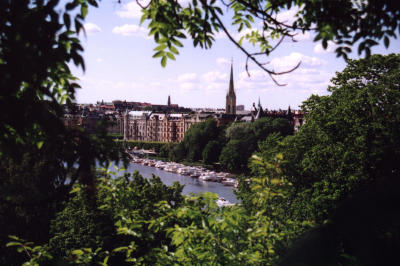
142, 19
164, 61
77, 252
176, 42
386, 41
174, 50
10, 244
39, 144
161, 47
170, 55
67, 20
84, 10
75, 190
324, 44
120, 249
159, 54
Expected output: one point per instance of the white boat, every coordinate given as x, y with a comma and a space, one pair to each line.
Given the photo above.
160, 165
183, 171
222, 202
195, 173
229, 182
209, 176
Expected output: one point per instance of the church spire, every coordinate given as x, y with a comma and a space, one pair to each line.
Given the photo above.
231, 96
231, 91
260, 112
169, 101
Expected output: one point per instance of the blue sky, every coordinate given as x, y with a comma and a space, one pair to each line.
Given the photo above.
119, 65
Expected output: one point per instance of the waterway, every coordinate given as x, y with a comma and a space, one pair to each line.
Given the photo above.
192, 185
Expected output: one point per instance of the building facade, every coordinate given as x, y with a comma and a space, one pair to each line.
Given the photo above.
148, 126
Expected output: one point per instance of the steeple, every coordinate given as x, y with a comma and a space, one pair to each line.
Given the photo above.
260, 112
231, 96
231, 91
169, 101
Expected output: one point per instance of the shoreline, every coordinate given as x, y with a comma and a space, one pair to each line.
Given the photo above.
201, 173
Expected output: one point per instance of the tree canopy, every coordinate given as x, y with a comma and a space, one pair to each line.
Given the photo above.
348, 23
40, 158
244, 137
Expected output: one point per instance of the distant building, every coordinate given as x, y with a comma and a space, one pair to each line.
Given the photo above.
148, 126
166, 123
240, 107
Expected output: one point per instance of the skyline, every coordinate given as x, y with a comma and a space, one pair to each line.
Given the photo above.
119, 66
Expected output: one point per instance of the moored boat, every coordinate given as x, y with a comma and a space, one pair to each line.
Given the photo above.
222, 202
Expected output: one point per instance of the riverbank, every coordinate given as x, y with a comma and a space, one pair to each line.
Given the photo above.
198, 172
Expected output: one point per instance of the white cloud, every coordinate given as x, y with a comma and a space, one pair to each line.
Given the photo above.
330, 49
306, 79
288, 16
313, 61
99, 59
223, 61
91, 28
285, 63
187, 77
214, 76
309, 78
131, 30
209, 82
132, 9
256, 75
186, 87
216, 87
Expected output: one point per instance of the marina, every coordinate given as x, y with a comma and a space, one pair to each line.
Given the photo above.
196, 179
191, 171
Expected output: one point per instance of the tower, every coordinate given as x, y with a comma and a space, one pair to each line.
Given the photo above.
231, 96
260, 112
169, 101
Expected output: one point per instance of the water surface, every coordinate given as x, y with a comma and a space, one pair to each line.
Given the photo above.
192, 185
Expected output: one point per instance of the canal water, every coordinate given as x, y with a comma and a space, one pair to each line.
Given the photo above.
192, 185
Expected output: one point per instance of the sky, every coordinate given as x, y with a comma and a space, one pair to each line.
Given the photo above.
119, 66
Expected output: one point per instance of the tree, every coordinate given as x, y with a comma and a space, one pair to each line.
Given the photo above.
244, 137
344, 163
211, 151
40, 158
350, 137
355, 23
234, 155
177, 153
27, 204
123, 218
197, 138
